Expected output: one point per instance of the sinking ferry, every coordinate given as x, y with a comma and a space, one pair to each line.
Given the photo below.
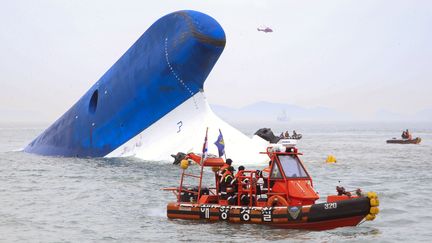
151, 102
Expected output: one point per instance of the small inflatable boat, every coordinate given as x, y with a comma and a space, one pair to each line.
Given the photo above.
281, 195
416, 140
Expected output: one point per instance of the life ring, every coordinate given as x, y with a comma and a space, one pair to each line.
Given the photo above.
277, 200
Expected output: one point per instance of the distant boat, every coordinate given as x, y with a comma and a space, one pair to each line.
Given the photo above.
416, 140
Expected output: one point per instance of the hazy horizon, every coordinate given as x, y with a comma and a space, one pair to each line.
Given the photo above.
357, 58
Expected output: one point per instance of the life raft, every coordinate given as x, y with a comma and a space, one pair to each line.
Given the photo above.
416, 140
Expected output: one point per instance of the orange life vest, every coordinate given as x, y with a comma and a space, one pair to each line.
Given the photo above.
223, 169
225, 175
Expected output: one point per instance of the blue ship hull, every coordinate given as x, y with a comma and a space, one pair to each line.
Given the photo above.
165, 67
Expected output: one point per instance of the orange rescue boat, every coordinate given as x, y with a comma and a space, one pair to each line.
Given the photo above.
285, 198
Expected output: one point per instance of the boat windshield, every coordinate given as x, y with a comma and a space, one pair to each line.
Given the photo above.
275, 172
291, 166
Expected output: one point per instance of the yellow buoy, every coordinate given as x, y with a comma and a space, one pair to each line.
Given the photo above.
370, 217
372, 195
374, 210
331, 159
184, 164
374, 202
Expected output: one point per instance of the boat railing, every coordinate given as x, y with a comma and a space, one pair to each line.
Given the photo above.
181, 189
249, 187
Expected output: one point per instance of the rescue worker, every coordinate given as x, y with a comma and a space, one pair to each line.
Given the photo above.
234, 182
225, 183
287, 135
409, 136
232, 199
222, 170
265, 173
245, 184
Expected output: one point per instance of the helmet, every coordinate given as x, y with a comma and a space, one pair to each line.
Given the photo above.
229, 161
231, 169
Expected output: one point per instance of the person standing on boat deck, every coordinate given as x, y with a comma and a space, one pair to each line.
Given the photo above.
222, 170
232, 199
265, 173
245, 184
225, 183
239, 173
287, 134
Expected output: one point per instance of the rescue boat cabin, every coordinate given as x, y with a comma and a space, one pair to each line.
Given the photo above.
287, 184
289, 179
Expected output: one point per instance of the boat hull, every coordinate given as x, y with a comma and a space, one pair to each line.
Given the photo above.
321, 216
405, 141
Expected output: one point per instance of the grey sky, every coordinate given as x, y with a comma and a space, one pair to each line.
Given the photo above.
351, 56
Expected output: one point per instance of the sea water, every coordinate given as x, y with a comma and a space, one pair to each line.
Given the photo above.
54, 199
